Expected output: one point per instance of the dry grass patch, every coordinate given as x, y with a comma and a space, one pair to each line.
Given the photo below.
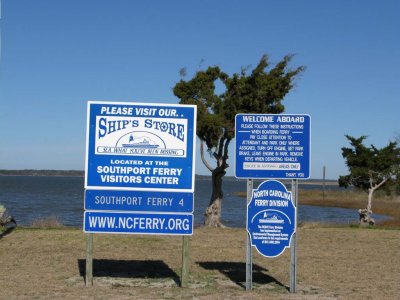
346, 263
47, 223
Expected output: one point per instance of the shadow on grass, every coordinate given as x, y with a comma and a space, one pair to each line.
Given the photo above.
236, 271
7, 231
129, 269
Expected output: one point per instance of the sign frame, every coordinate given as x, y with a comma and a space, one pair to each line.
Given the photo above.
116, 216
150, 113
274, 193
139, 201
304, 164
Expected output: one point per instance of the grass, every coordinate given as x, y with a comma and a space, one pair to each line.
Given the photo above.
47, 223
345, 262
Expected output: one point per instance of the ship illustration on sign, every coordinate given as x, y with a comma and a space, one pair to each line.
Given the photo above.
271, 218
140, 142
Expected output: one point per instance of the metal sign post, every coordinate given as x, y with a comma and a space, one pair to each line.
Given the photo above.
249, 250
185, 261
89, 260
293, 243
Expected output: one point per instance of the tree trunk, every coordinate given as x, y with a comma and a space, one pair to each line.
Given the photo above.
6, 220
370, 194
213, 211
366, 214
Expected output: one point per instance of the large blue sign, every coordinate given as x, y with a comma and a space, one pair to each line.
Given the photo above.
113, 200
139, 164
271, 218
137, 146
272, 146
138, 223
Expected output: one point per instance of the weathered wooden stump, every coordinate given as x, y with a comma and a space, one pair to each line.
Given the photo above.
5, 219
365, 217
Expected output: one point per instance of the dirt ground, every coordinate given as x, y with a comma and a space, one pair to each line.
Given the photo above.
333, 263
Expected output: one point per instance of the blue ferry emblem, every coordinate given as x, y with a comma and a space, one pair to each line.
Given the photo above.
140, 142
271, 218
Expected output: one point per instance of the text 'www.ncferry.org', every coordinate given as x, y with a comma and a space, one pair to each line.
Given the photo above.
138, 223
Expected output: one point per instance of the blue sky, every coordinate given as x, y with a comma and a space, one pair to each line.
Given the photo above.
58, 54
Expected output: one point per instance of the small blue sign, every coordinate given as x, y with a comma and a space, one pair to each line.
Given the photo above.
271, 218
138, 223
272, 146
138, 146
114, 200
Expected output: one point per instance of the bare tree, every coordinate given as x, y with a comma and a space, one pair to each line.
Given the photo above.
370, 169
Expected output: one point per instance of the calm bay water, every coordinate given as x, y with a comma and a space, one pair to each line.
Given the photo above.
29, 198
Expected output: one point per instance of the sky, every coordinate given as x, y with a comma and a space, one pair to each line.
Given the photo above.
58, 54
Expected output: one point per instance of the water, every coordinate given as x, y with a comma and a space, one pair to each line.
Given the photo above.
30, 198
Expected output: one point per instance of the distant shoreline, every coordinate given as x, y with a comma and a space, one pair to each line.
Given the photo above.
29, 172
79, 173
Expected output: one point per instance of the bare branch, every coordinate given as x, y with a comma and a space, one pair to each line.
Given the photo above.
380, 184
221, 145
225, 157
228, 140
203, 159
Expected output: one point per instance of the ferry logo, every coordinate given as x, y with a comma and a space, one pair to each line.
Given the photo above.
271, 218
140, 140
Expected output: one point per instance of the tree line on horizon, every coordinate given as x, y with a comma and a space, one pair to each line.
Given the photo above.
33, 172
